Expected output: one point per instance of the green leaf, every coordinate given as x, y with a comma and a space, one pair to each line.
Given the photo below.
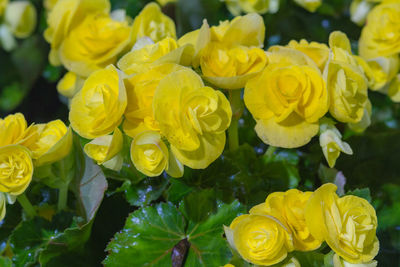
148, 237
363, 193
5, 262
151, 234
310, 258
177, 190
196, 212
30, 237
91, 188
146, 191
72, 239
208, 247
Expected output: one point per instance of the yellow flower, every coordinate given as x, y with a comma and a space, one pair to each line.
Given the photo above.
259, 239
49, 4
288, 207
230, 68
364, 122
16, 169
331, 143
104, 150
339, 262
379, 71
70, 84
287, 99
94, 44
165, 51
53, 142
98, 107
346, 82
348, 224
20, 17
381, 35
229, 265
12, 129
310, 5
229, 54
151, 22
3, 5
193, 118
394, 89
66, 15
318, 52
359, 10
140, 88
150, 155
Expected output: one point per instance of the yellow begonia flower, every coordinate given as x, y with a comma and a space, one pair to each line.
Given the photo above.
394, 89
287, 99
288, 207
339, 262
16, 169
347, 224
381, 35
346, 82
94, 44
259, 239
21, 18
97, 109
104, 150
140, 89
151, 22
359, 10
12, 129
70, 84
229, 54
193, 118
229, 265
49, 4
2, 205
53, 142
3, 5
331, 143
150, 55
318, 52
66, 15
150, 155
310, 5
365, 121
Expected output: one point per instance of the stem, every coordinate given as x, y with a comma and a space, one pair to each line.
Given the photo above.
237, 109
62, 197
270, 151
26, 205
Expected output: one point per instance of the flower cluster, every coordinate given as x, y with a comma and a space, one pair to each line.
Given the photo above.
172, 116
17, 19
22, 148
156, 85
301, 82
379, 48
302, 221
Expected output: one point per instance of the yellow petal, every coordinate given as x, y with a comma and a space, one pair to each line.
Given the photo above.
291, 133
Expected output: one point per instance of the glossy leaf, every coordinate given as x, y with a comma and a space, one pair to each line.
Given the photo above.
152, 233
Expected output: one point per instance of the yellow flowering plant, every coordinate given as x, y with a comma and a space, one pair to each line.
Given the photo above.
207, 133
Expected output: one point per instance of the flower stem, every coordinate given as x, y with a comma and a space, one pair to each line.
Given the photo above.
62, 197
270, 151
26, 205
237, 110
